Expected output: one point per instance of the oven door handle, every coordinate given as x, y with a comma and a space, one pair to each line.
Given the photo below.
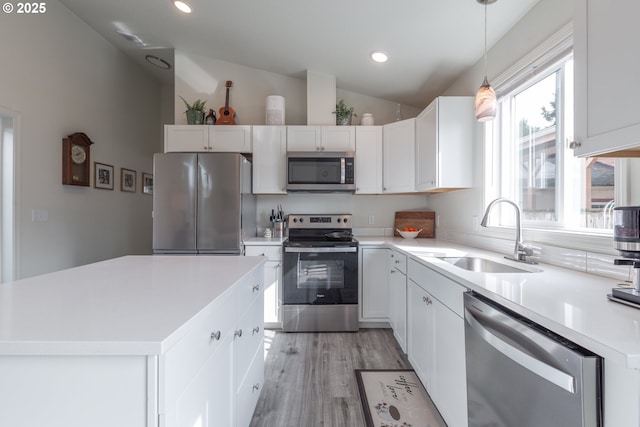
316, 250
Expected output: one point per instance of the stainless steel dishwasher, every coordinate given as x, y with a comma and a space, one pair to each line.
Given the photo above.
522, 375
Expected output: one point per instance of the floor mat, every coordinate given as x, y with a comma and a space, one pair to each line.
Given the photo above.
395, 398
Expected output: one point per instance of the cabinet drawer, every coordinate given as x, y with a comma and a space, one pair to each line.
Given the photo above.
440, 287
249, 391
182, 361
252, 337
248, 290
399, 261
273, 253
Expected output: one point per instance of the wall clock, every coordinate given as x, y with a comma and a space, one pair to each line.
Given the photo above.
76, 159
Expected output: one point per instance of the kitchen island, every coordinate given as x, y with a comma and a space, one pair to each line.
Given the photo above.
133, 341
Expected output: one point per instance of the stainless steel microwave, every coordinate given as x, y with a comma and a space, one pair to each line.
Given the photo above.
321, 171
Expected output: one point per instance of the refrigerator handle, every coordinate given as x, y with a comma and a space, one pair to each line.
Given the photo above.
549, 373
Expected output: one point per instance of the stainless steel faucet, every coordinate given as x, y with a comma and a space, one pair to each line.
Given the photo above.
520, 251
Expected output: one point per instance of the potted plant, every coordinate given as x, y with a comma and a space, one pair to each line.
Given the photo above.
343, 113
195, 111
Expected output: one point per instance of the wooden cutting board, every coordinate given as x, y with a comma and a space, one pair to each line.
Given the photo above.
417, 219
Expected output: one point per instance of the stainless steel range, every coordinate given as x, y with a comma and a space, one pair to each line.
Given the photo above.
320, 275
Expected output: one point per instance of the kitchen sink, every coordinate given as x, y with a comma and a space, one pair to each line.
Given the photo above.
484, 265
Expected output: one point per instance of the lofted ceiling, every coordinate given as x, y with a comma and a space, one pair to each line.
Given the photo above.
429, 43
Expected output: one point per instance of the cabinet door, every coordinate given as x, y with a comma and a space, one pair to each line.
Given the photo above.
427, 148
269, 160
420, 334
449, 373
375, 284
338, 138
398, 142
303, 138
233, 139
272, 293
368, 159
607, 112
191, 138
209, 399
398, 298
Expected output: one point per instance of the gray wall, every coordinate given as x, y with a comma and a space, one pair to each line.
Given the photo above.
59, 77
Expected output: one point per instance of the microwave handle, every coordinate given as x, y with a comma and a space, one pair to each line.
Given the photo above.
342, 170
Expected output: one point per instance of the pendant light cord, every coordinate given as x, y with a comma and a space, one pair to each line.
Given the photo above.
485, 37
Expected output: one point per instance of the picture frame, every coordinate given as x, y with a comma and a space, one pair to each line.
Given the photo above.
103, 176
147, 183
127, 180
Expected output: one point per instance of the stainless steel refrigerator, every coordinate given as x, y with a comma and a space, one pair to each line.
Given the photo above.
202, 203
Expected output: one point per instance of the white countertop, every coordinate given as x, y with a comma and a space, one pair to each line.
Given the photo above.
570, 303
264, 241
134, 305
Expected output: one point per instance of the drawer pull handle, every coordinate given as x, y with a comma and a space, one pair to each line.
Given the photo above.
256, 330
397, 261
256, 288
238, 333
256, 387
426, 300
215, 335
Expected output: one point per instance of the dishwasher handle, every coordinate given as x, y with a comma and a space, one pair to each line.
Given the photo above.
548, 372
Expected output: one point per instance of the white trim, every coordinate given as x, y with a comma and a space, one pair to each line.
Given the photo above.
16, 116
555, 45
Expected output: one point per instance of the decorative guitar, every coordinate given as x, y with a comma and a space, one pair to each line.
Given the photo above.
226, 113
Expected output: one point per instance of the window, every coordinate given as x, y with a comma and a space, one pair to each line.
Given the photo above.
7, 202
528, 159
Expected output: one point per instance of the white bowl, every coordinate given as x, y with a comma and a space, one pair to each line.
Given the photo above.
409, 234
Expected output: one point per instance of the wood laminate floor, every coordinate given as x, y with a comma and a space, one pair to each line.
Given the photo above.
310, 378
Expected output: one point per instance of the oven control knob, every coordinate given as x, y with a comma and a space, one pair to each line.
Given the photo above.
295, 219
339, 220
345, 220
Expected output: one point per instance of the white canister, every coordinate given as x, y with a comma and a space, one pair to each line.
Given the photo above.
367, 119
275, 110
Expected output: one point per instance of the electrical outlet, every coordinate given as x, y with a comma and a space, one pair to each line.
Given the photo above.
476, 223
372, 219
437, 220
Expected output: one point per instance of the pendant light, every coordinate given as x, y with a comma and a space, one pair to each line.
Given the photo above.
486, 101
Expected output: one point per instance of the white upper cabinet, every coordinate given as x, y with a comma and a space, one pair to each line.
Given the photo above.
269, 160
186, 138
368, 160
321, 138
398, 146
234, 139
207, 138
444, 144
606, 68
338, 138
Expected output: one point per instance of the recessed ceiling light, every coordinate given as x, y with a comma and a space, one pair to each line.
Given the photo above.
158, 62
182, 6
379, 56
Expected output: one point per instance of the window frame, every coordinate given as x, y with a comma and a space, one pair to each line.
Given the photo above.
587, 239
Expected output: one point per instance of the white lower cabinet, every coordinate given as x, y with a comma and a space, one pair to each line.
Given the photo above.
214, 374
374, 284
272, 282
420, 330
436, 340
398, 297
